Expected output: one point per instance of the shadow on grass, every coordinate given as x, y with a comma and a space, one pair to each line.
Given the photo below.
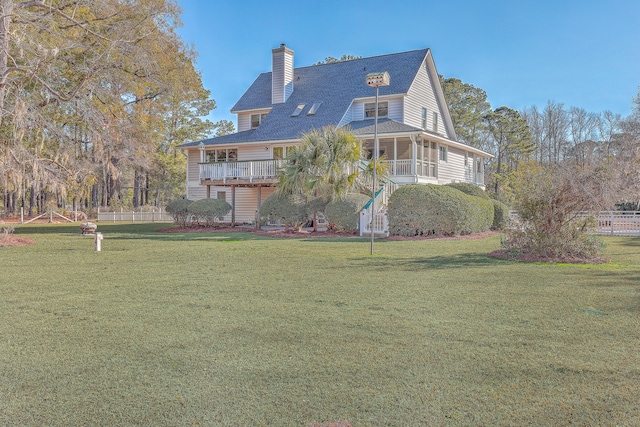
130, 231
439, 262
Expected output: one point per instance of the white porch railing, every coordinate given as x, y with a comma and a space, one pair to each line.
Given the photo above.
249, 170
267, 169
399, 167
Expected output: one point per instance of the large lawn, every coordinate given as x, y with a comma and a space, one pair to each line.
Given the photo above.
235, 330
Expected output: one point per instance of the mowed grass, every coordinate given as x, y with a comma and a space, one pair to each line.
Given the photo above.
237, 330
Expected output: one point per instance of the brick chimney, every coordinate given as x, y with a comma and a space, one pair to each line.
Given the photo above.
282, 74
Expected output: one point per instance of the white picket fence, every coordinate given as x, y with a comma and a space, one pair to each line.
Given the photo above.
619, 223
122, 216
612, 223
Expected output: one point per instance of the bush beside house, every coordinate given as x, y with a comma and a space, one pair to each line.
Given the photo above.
208, 211
205, 210
437, 210
500, 214
500, 210
468, 188
289, 210
178, 209
344, 215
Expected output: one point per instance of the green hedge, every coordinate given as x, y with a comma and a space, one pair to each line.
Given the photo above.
288, 210
470, 189
209, 210
500, 214
437, 210
178, 209
344, 215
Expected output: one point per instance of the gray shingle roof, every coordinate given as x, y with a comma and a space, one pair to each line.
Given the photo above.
385, 125
335, 85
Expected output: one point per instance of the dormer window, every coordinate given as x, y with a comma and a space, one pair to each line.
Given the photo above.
298, 110
314, 108
370, 109
256, 119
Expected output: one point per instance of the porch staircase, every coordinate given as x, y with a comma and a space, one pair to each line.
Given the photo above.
380, 223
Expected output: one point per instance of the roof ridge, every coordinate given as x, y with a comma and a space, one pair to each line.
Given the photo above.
426, 49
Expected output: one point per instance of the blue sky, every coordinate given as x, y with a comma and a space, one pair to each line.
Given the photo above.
581, 53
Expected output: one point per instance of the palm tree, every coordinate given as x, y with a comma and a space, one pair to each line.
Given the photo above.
328, 164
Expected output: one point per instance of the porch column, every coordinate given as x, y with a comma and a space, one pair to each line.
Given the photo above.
233, 205
414, 156
208, 191
395, 153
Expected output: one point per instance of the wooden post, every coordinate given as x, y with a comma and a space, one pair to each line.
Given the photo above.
208, 191
233, 205
97, 238
612, 223
259, 204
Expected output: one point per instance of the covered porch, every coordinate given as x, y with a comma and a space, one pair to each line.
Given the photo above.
418, 160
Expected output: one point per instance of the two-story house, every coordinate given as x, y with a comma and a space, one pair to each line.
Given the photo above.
415, 131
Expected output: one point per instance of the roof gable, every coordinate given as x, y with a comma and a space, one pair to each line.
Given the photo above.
335, 85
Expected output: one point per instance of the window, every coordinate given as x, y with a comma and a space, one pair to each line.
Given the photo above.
282, 152
370, 109
221, 155
298, 110
424, 118
221, 195
466, 159
443, 153
314, 108
435, 122
256, 119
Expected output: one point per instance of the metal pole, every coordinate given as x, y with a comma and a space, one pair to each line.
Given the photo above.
375, 165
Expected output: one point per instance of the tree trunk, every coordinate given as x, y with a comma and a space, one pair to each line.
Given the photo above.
6, 11
136, 189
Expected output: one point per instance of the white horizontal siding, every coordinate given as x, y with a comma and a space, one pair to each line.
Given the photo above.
246, 199
244, 118
396, 109
244, 121
259, 152
357, 111
453, 169
421, 95
196, 191
193, 167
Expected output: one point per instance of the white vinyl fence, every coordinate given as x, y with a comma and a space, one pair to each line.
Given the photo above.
619, 223
121, 216
612, 223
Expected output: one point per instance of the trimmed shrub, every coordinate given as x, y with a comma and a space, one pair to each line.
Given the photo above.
178, 209
344, 215
437, 210
479, 215
470, 189
209, 210
500, 215
289, 210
